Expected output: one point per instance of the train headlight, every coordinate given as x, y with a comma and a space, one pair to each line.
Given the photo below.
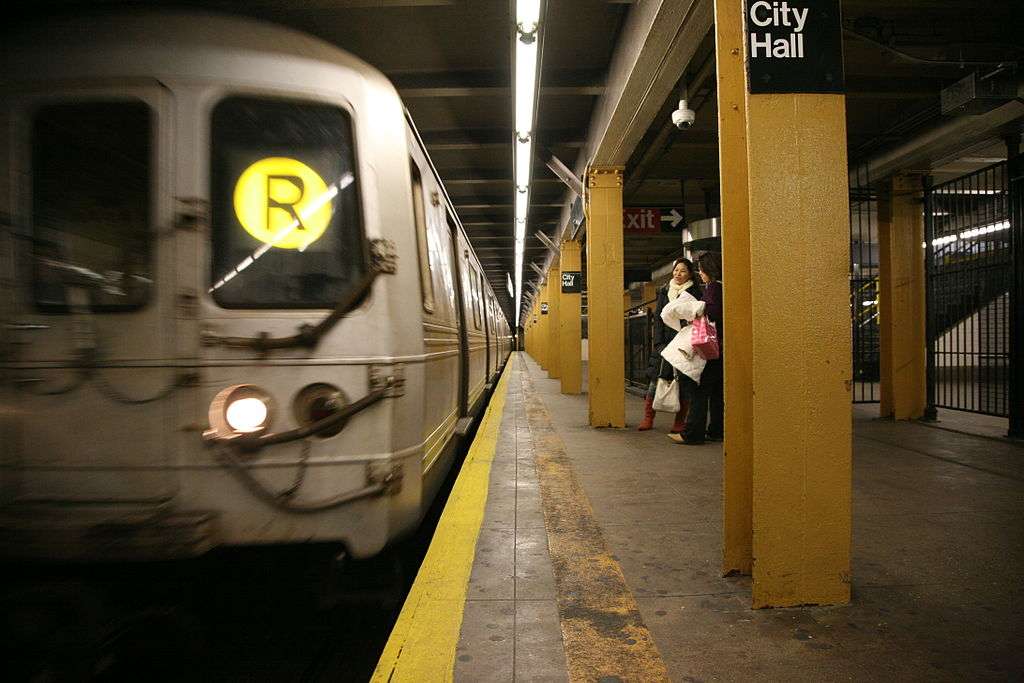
318, 402
247, 415
240, 410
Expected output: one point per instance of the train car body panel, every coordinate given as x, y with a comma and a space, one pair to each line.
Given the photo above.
121, 318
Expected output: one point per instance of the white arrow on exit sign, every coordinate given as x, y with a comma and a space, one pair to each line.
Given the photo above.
673, 218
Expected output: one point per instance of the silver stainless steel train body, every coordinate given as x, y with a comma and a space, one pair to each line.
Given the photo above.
237, 305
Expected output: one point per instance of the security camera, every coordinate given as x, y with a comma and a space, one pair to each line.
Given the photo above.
683, 117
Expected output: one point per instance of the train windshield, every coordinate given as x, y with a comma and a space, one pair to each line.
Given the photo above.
286, 224
91, 197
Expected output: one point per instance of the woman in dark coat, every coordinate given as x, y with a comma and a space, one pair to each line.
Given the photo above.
707, 397
683, 280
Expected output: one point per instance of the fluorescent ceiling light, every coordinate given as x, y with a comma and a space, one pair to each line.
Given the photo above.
972, 233
526, 41
520, 231
524, 163
527, 13
526, 86
522, 203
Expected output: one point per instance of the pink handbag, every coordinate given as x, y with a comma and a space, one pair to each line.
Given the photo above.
704, 338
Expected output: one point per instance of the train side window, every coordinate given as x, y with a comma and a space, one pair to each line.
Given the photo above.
488, 307
474, 279
420, 213
92, 179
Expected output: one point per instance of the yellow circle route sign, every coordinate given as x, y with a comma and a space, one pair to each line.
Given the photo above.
281, 202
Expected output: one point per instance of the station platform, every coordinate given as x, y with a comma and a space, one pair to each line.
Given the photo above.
595, 555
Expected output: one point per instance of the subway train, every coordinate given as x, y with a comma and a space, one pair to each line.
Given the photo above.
237, 305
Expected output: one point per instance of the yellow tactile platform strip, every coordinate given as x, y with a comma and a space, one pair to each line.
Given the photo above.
423, 641
604, 636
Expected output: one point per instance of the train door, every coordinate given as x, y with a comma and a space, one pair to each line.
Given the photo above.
91, 270
461, 300
441, 343
488, 329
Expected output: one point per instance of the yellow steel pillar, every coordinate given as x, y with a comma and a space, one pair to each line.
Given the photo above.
738, 449
554, 298
901, 299
532, 322
569, 325
606, 380
800, 331
883, 216
542, 327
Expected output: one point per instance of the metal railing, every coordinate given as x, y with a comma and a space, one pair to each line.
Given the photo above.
970, 274
638, 326
864, 290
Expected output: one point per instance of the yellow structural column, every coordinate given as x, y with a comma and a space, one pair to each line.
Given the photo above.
532, 322
901, 299
800, 331
569, 325
606, 383
738, 448
554, 298
542, 327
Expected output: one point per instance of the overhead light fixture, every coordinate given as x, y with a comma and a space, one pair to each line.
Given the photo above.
526, 86
967, 191
527, 16
979, 231
526, 42
524, 164
522, 204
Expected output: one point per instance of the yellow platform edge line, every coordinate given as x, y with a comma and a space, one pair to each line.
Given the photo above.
422, 643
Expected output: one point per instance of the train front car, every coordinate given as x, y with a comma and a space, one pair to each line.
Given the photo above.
209, 291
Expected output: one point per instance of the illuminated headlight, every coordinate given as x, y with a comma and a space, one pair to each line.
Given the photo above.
239, 410
247, 415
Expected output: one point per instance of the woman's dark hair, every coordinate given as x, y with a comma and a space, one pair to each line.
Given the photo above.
711, 263
689, 267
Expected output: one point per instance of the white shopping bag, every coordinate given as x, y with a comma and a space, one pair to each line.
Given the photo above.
666, 396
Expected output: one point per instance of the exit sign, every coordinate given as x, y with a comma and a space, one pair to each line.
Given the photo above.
642, 220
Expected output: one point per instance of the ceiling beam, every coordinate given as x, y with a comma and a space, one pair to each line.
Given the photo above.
440, 137
655, 45
658, 40
554, 77
497, 91
496, 204
478, 180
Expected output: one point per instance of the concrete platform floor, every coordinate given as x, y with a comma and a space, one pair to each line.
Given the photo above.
938, 559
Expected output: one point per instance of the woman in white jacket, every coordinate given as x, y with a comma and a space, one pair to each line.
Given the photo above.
679, 351
684, 281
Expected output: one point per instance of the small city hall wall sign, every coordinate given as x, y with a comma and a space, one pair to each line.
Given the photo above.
572, 281
794, 46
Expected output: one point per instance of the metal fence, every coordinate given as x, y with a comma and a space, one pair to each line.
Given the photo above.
639, 331
969, 265
864, 289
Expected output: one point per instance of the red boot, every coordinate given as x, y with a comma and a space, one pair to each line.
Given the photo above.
648, 421
680, 422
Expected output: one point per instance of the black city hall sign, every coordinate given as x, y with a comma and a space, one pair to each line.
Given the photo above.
794, 46
572, 282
